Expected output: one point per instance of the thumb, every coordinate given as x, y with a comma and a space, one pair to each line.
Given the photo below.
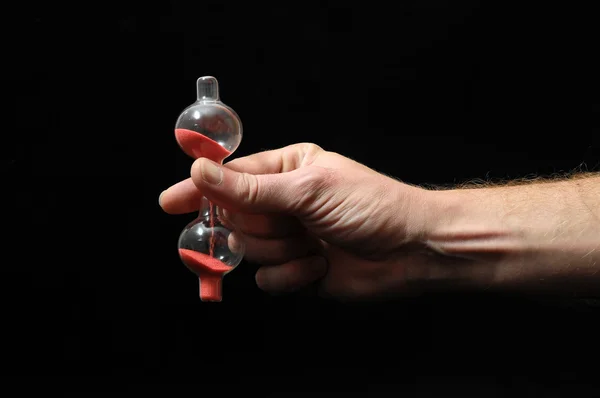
249, 193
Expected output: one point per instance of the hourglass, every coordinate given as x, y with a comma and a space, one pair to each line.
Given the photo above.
208, 128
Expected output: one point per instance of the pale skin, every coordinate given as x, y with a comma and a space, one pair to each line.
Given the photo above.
316, 219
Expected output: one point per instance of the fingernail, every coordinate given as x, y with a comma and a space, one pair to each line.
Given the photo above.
211, 173
235, 243
262, 279
159, 198
225, 213
228, 216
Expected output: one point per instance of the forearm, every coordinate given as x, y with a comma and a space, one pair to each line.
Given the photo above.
533, 237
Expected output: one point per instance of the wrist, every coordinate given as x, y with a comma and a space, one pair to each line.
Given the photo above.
535, 236
437, 223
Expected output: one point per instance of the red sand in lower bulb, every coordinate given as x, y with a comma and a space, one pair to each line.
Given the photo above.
209, 270
197, 145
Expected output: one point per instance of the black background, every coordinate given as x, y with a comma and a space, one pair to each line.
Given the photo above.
433, 92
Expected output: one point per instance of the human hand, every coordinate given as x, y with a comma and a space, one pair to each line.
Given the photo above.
312, 216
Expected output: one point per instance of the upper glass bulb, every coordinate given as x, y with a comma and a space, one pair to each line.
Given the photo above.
208, 128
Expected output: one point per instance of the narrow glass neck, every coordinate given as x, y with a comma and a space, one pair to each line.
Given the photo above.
208, 210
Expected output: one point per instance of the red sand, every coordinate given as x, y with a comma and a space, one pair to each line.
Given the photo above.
197, 146
209, 270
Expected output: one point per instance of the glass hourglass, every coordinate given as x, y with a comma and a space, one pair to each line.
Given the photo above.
208, 128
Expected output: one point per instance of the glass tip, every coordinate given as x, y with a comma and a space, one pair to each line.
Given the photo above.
208, 88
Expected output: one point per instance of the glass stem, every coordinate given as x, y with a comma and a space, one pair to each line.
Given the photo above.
212, 214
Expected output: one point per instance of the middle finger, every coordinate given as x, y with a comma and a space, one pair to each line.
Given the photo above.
279, 251
271, 226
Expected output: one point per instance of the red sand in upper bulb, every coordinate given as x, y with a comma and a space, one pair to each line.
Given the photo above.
197, 145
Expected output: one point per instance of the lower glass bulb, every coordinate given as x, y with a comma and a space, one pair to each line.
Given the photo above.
210, 248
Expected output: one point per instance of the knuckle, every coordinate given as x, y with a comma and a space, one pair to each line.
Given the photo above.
310, 152
307, 147
296, 156
311, 148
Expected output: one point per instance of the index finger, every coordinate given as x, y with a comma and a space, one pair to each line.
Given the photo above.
180, 198
184, 197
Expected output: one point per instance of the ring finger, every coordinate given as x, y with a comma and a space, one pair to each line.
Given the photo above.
279, 251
